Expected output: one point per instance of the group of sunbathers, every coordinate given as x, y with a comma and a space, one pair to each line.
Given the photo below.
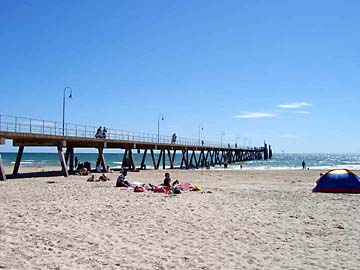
167, 186
102, 178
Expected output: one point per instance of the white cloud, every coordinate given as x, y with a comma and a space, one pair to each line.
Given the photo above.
302, 112
294, 105
255, 115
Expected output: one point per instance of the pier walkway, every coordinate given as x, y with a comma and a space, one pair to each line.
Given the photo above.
25, 132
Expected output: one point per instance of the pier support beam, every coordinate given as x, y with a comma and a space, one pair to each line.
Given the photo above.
18, 160
153, 158
2, 170
101, 159
143, 165
71, 165
69, 154
62, 161
171, 159
131, 158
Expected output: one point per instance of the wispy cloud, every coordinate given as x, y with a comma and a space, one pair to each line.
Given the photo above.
252, 115
294, 105
288, 136
302, 112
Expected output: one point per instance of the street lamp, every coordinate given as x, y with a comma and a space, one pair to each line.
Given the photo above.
70, 96
162, 118
222, 134
237, 137
201, 128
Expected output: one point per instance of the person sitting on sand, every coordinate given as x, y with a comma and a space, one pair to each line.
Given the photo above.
104, 178
121, 181
167, 180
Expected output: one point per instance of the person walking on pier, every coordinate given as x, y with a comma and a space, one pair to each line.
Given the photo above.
99, 132
173, 138
104, 133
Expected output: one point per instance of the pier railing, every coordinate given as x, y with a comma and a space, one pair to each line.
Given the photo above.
35, 126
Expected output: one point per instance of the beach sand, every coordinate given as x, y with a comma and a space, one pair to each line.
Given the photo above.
240, 220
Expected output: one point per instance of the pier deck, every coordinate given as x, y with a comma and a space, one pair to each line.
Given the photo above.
25, 132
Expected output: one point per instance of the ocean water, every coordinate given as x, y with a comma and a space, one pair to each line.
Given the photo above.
281, 161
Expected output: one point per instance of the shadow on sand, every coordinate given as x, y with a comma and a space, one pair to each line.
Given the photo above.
35, 174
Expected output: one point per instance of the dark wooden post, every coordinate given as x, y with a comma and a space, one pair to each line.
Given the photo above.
132, 160
124, 159
171, 159
67, 153
142, 166
159, 159
2, 170
153, 158
212, 157
164, 159
183, 159
71, 165
62, 161
18, 160
101, 158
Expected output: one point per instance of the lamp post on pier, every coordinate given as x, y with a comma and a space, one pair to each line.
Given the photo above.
201, 128
63, 120
222, 134
162, 118
237, 137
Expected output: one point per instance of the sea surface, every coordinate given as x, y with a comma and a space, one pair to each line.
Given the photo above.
281, 161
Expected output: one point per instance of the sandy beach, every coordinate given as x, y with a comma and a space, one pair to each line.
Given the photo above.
239, 220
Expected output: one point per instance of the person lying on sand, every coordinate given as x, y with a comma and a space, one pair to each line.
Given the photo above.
91, 178
104, 178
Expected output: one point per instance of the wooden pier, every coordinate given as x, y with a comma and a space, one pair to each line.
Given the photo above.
38, 133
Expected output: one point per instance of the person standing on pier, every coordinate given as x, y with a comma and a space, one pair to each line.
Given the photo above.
99, 132
173, 138
104, 133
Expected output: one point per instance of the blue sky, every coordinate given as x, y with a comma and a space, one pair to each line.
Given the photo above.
282, 71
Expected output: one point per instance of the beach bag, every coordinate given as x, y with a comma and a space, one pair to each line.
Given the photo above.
139, 189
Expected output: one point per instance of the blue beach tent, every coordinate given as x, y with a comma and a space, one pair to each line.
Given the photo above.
338, 181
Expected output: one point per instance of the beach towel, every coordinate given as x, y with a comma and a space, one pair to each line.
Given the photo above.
161, 189
185, 186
